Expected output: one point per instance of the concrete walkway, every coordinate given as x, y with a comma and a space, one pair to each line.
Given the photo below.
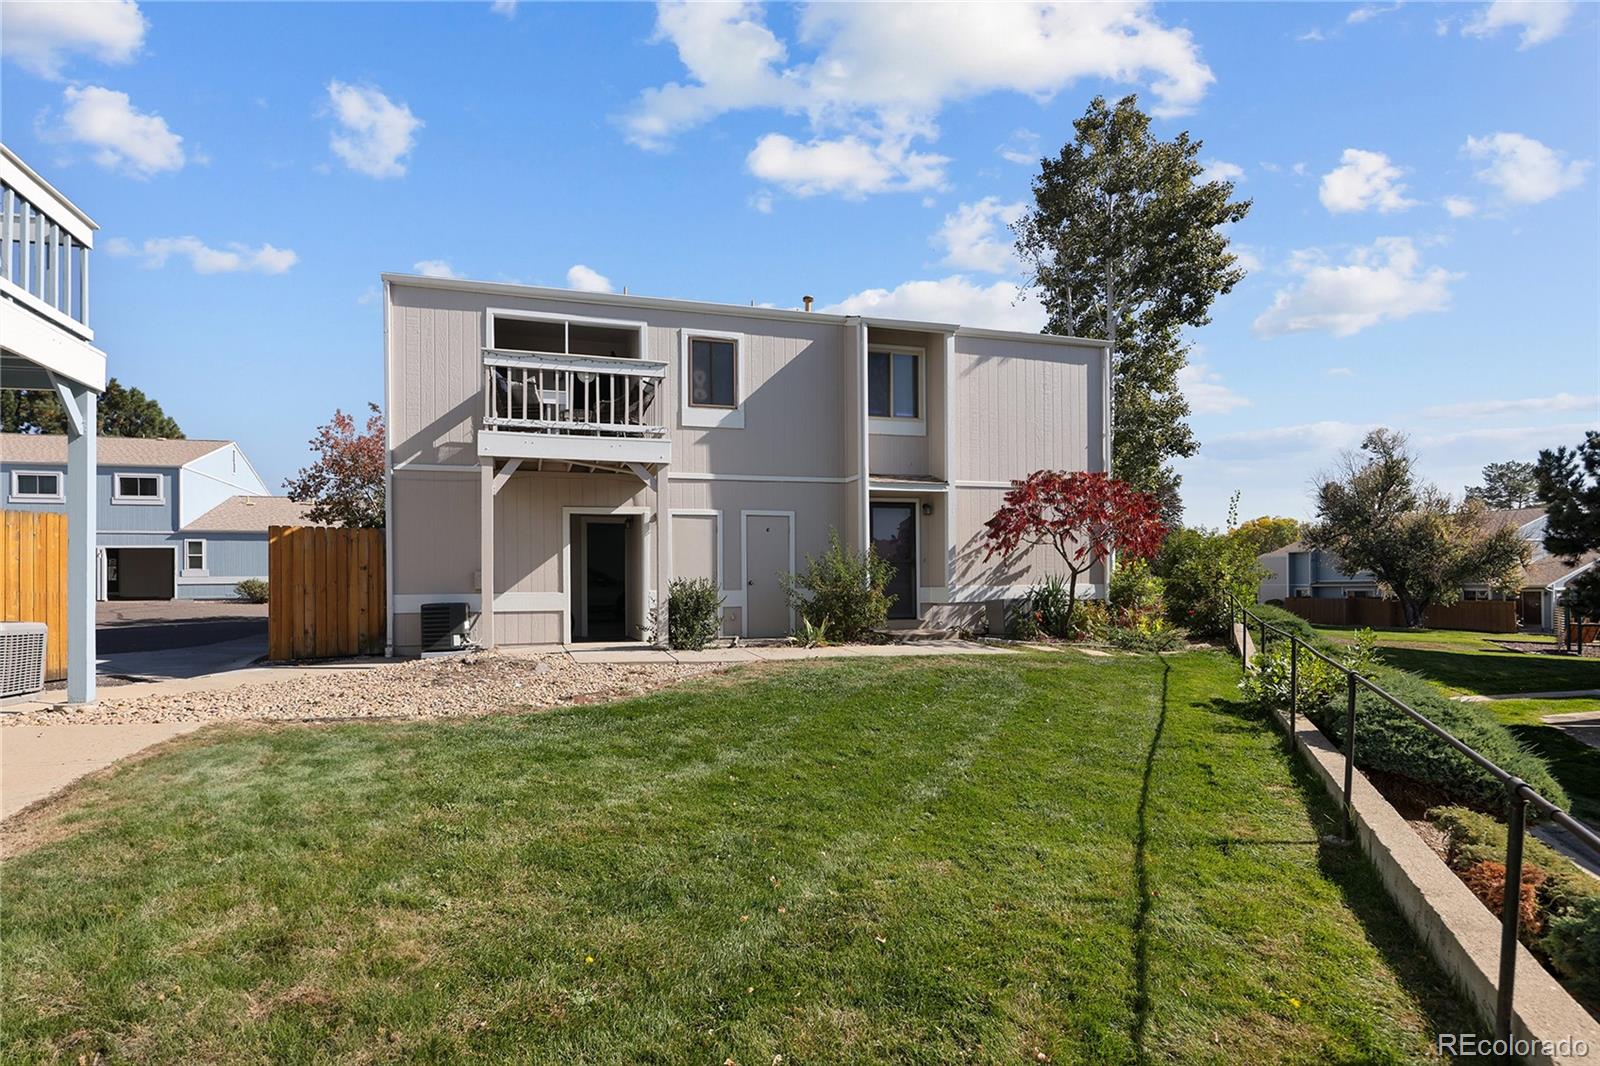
36, 761
1566, 694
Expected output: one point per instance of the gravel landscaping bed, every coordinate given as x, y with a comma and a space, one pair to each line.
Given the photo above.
423, 688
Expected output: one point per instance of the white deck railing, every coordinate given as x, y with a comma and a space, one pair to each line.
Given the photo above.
578, 395
44, 248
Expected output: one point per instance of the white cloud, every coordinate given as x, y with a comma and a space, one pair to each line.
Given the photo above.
1368, 12
1248, 255
236, 258
508, 8
435, 268
1206, 393
975, 236
849, 166
1364, 180
1539, 20
1277, 441
1381, 282
375, 134
1523, 169
1459, 206
1002, 305
878, 76
1311, 36
1506, 436
39, 37
121, 136
1561, 401
1339, 371
762, 202
1219, 170
586, 279
1022, 148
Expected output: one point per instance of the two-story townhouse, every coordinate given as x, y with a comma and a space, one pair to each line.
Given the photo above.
574, 452
177, 519
46, 342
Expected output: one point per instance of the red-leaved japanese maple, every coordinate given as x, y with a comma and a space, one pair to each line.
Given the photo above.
344, 485
1084, 516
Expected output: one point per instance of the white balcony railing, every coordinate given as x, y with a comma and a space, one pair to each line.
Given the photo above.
573, 395
44, 248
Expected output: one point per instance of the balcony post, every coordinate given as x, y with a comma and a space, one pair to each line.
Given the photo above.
486, 552
81, 548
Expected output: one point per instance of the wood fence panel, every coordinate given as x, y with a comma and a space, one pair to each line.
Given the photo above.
1483, 616
326, 597
33, 579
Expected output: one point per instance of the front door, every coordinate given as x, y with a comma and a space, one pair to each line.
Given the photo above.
605, 558
1532, 609
767, 555
894, 538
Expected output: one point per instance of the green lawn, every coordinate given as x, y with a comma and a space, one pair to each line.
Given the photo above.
983, 859
1468, 663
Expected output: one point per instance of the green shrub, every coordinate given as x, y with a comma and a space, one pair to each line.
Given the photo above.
1090, 621
842, 590
1148, 631
1198, 569
1569, 899
1135, 588
1045, 611
251, 590
693, 613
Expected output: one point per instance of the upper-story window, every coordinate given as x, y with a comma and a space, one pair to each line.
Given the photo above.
894, 389
136, 488
713, 372
35, 485
712, 377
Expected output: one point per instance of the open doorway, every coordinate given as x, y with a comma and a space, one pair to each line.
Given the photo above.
605, 580
139, 573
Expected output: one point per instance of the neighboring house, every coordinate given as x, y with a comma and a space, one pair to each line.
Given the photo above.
46, 242
1296, 570
574, 452
178, 519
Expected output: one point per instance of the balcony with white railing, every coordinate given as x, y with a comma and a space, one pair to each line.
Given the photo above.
573, 408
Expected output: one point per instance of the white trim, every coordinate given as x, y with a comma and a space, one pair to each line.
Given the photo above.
203, 570
411, 602
489, 313
510, 444
566, 558
1040, 338
949, 456
388, 479
693, 475
983, 484
116, 488
218, 579
889, 484
892, 425
864, 473
177, 559
987, 593
406, 467
21, 497
916, 546
529, 602
744, 562
694, 417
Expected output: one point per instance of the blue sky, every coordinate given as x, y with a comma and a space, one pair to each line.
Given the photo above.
1424, 248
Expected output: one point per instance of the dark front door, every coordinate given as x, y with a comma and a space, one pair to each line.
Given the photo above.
606, 591
894, 538
1532, 609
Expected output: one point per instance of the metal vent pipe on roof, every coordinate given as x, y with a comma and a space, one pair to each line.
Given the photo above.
807, 300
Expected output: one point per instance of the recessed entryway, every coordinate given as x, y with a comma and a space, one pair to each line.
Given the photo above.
894, 538
605, 577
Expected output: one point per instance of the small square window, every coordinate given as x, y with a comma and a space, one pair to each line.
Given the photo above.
194, 555
713, 373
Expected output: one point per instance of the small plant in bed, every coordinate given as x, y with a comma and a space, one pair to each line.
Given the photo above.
694, 613
842, 590
251, 590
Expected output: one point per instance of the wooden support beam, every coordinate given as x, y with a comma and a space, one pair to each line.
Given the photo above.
505, 473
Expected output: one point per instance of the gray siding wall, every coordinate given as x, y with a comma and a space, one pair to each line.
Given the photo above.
114, 517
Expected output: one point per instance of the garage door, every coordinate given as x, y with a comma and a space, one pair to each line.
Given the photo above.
140, 573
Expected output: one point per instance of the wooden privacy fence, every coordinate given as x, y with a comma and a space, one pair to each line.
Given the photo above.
1483, 616
325, 594
33, 579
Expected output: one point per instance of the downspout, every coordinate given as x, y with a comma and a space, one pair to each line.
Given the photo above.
388, 486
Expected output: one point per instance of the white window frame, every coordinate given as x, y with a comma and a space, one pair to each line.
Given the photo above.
18, 496
204, 568
636, 326
116, 488
712, 417
895, 425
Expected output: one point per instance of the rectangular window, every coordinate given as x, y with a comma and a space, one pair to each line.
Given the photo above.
35, 485
713, 373
137, 488
194, 556
894, 384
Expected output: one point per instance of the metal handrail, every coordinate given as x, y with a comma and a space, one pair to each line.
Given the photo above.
1519, 793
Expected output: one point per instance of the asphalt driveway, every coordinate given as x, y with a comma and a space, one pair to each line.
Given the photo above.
176, 638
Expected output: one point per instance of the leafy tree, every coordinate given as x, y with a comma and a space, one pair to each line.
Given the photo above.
344, 485
1267, 534
1569, 483
121, 412
1084, 517
1200, 568
1125, 243
1507, 485
1375, 515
